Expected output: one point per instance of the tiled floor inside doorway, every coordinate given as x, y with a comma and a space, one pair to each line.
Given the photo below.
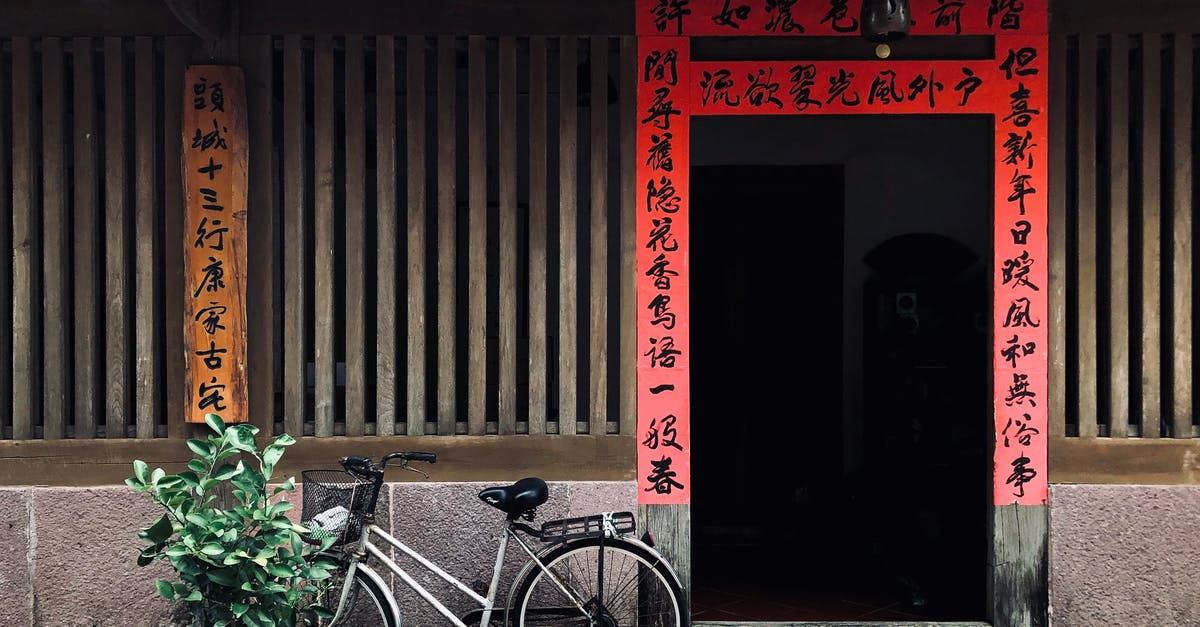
734, 602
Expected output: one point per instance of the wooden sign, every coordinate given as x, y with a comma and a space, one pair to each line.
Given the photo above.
215, 153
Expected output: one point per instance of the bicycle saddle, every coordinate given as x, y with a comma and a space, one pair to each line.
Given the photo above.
517, 498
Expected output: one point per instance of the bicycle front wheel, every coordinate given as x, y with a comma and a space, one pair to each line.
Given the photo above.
636, 588
366, 603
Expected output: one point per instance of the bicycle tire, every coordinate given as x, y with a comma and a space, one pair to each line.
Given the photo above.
640, 588
366, 606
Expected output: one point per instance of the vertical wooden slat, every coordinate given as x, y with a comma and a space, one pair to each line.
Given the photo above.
477, 235
148, 385
386, 233
598, 266
446, 301
55, 295
1181, 331
174, 62
1056, 400
1118, 244
324, 323
356, 239
538, 295
628, 250
26, 351
1085, 314
85, 190
257, 54
568, 311
115, 228
507, 172
1151, 413
416, 236
6, 258
295, 254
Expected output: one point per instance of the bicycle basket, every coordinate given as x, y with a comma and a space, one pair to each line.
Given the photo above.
334, 505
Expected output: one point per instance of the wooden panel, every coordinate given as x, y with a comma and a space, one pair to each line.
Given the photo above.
257, 53
568, 189
116, 321
175, 54
1129, 461
1086, 285
465, 458
356, 239
85, 190
477, 270
1019, 585
324, 321
148, 386
56, 397
507, 173
294, 250
446, 249
1057, 233
671, 526
538, 295
1151, 379
1120, 16
415, 235
598, 232
386, 232
26, 351
6, 296
628, 268
1118, 244
1181, 242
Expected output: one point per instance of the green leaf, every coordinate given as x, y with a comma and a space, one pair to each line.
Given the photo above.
197, 466
286, 486
271, 456
212, 548
155, 476
201, 448
224, 576
215, 423
227, 471
279, 570
140, 470
197, 519
177, 550
285, 440
135, 484
169, 482
194, 596
239, 609
231, 559
165, 589
241, 437
160, 530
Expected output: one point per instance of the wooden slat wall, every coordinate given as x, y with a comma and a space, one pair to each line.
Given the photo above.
387, 232
538, 294
6, 300
416, 235
26, 352
1181, 239
1118, 247
1085, 220
339, 268
56, 364
1151, 225
85, 190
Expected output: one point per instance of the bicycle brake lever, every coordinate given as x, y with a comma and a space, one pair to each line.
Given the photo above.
416, 470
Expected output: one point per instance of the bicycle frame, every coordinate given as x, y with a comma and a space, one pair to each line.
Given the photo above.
486, 604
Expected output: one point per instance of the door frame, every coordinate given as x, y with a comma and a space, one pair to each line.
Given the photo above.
1011, 86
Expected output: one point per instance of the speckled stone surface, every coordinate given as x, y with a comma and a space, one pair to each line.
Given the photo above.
16, 591
1124, 555
86, 571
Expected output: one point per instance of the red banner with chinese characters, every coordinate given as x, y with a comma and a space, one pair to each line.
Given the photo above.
663, 420
793, 18
215, 156
1012, 88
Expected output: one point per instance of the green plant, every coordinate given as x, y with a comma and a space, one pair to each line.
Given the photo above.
242, 565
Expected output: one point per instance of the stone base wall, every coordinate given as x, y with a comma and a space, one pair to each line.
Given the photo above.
1124, 555
68, 555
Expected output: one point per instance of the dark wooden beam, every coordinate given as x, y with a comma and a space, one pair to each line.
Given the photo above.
1125, 461
1123, 16
460, 458
205, 18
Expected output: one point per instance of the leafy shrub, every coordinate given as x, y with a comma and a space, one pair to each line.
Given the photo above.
247, 565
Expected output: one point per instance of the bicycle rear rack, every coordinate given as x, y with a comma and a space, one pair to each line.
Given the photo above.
565, 529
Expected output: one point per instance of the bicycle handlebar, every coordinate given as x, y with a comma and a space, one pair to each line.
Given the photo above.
363, 466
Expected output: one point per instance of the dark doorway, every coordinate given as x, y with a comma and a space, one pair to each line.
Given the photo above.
806, 506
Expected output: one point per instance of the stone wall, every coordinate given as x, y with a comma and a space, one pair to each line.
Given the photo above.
68, 555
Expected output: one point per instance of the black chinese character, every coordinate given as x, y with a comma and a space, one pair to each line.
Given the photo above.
718, 86
211, 139
730, 16
212, 317
653, 440
662, 477
968, 85
212, 356
1021, 474
762, 89
1016, 350
210, 395
214, 277
662, 352
204, 233
665, 11
661, 66
781, 20
1018, 392
1018, 314
1016, 271
948, 13
661, 109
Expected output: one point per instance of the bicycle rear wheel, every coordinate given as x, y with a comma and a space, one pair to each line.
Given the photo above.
636, 588
366, 606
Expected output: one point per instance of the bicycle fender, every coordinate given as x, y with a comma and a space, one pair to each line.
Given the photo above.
391, 598
655, 552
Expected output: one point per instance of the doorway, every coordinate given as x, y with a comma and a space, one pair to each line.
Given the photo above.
840, 406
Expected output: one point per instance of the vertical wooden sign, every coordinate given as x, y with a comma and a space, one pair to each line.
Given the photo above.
215, 154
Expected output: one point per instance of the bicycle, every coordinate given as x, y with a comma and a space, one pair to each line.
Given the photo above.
592, 570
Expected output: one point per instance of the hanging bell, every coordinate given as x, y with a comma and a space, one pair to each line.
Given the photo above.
885, 20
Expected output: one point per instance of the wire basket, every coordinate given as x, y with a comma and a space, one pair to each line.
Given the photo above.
335, 502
